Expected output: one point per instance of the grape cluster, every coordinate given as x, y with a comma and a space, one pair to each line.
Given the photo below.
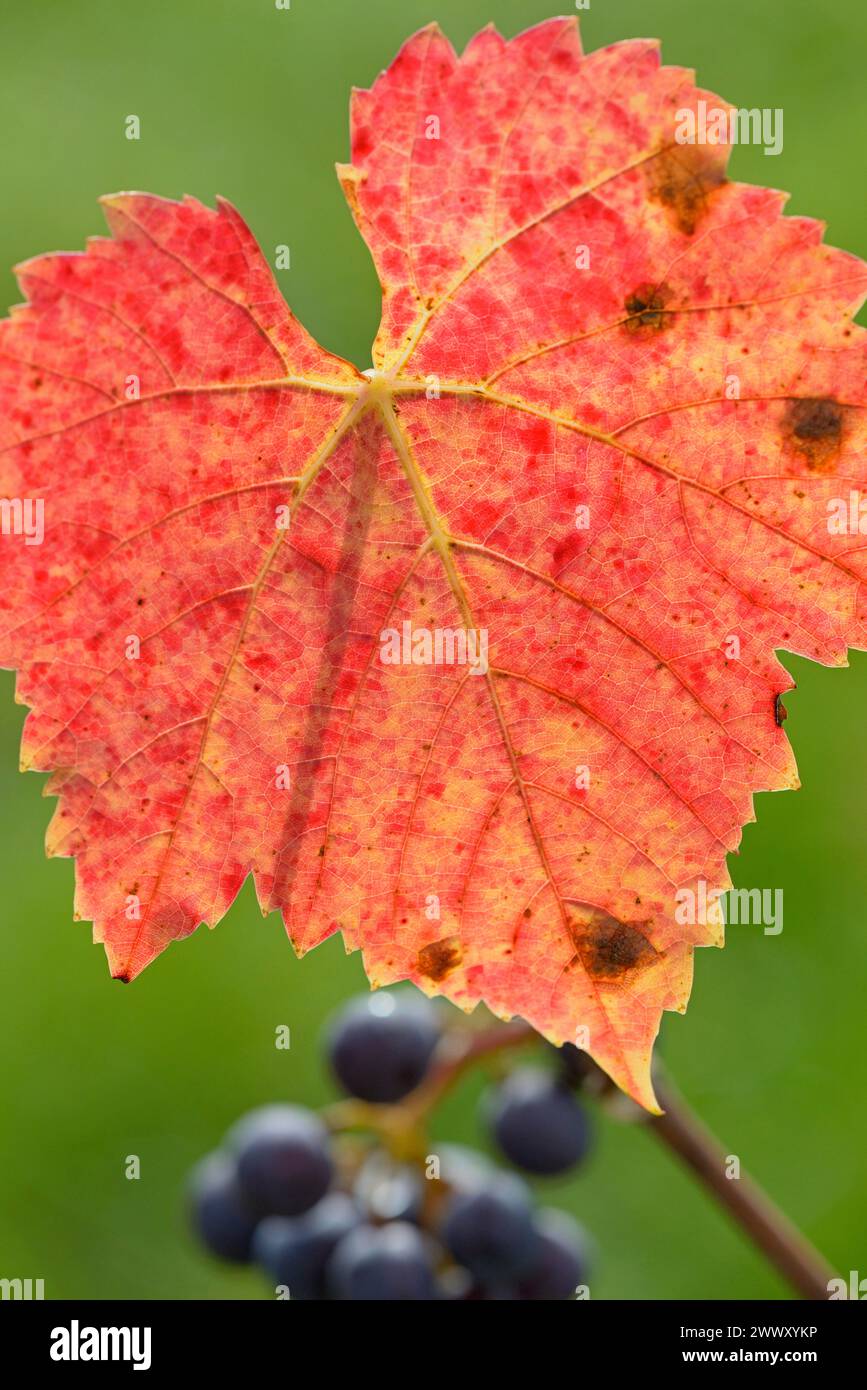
327, 1215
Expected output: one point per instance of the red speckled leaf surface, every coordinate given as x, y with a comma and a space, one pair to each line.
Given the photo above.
613, 396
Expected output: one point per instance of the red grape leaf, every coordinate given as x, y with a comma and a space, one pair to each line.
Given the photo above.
613, 396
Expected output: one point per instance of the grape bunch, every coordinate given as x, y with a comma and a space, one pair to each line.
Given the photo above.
327, 1213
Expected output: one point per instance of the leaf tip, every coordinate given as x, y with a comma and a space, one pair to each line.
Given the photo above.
110, 200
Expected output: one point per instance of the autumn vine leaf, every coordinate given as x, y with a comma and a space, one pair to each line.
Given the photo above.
470, 656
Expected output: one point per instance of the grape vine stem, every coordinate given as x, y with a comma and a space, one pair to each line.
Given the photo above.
678, 1128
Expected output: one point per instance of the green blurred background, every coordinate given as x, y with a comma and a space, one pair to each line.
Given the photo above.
236, 97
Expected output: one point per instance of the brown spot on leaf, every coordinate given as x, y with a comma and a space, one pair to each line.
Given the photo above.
610, 949
645, 307
780, 711
439, 958
813, 427
684, 180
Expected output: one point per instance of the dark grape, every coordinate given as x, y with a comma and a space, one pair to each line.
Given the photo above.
561, 1258
389, 1191
220, 1214
294, 1250
380, 1045
284, 1166
386, 1263
490, 1229
538, 1123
